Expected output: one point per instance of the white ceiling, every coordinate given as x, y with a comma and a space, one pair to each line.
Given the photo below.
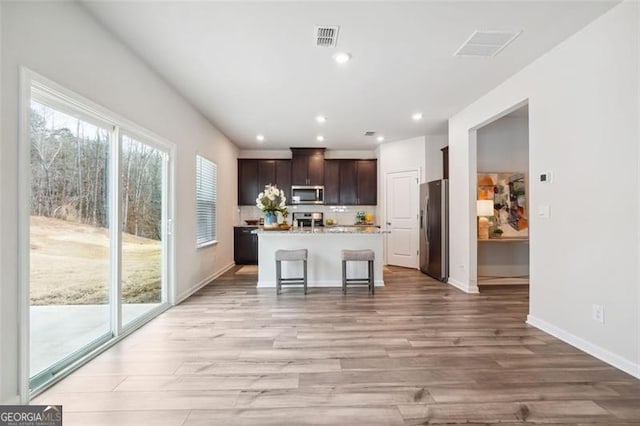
252, 67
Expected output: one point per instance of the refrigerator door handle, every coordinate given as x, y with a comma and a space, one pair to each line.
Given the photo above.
426, 221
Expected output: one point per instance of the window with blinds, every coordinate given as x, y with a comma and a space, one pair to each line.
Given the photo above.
206, 201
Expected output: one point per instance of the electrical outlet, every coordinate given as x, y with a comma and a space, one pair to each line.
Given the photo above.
598, 313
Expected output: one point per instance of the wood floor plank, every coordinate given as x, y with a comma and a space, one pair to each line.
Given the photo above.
418, 352
301, 416
206, 382
126, 418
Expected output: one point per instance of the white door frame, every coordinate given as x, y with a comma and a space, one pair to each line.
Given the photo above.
472, 286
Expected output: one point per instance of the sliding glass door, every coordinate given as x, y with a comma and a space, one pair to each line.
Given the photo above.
142, 171
69, 237
97, 233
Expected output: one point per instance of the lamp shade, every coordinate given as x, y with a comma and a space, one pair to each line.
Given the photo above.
485, 207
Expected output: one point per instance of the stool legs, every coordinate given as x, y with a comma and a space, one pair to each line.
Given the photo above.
305, 275
344, 277
278, 276
279, 280
369, 279
372, 283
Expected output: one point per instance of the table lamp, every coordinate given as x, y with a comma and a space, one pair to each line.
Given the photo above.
484, 211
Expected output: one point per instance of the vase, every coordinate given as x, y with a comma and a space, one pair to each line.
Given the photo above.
270, 220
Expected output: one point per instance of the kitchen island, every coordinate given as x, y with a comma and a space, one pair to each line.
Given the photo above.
324, 266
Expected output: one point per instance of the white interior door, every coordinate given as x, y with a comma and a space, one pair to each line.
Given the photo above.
402, 218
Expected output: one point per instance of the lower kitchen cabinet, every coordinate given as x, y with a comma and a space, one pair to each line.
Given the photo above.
245, 245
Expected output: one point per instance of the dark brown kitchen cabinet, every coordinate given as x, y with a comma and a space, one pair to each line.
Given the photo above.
245, 246
254, 174
367, 182
351, 182
307, 166
247, 182
283, 177
275, 172
348, 182
332, 182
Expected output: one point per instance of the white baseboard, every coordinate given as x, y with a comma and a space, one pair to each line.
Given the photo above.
602, 354
332, 283
464, 287
185, 294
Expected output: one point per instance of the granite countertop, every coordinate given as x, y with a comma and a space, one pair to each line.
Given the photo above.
325, 230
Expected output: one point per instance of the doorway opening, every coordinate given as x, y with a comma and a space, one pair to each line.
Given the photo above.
502, 205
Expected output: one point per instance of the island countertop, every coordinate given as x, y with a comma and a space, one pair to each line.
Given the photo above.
324, 264
324, 230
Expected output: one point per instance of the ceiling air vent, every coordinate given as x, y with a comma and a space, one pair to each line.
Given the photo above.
486, 43
326, 36
370, 133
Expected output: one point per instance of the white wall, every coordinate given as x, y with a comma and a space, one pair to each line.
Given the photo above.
408, 154
583, 111
433, 156
503, 146
61, 41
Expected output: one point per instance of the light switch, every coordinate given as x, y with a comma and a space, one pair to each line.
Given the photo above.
543, 212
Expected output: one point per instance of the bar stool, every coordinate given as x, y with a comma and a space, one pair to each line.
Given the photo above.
291, 256
358, 256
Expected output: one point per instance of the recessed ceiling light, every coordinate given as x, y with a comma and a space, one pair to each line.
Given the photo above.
260, 138
380, 138
321, 119
416, 116
342, 57
320, 138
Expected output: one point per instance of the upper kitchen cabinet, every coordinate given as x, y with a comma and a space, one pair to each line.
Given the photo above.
367, 182
247, 182
351, 182
348, 182
307, 166
253, 175
332, 182
283, 177
275, 172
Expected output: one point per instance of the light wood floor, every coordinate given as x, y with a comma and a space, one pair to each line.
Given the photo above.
419, 352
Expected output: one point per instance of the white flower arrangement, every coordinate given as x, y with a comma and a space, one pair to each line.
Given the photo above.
272, 200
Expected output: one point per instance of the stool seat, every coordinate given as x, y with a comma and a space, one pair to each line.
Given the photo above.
300, 254
357, 255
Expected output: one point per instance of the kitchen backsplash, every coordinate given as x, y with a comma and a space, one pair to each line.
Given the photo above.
342, 215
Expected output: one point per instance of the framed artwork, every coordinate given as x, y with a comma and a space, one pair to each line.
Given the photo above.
508, 192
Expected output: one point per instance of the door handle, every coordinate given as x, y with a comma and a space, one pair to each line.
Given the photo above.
426, 222
389, 223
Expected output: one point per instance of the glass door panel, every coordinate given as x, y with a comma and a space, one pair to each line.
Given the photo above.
69, 239
142, 176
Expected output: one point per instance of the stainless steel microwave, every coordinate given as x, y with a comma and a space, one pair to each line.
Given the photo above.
307, 194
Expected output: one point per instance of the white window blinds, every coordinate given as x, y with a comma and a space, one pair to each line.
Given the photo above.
206, 201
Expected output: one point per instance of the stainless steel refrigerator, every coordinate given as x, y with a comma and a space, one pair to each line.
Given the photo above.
434, 229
